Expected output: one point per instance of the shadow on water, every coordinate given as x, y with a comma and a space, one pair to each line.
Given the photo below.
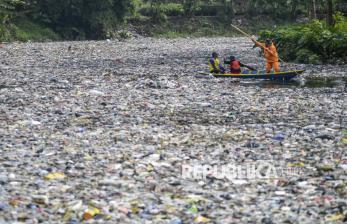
6, 87
3, 87
299, 83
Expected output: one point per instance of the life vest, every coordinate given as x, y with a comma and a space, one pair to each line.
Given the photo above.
216, 63
235, 67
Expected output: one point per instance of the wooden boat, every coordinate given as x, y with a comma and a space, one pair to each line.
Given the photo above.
247, 74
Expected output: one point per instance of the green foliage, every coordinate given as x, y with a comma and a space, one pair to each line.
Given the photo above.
340, 23
173, 9
307, 57
206, 10
155, 12
8, 13
25, 31
226, 11
189, 6
192, 27
29, 31
9, 6
79, 19
311, 43
170, 9
90, 19
275, 8
123, 35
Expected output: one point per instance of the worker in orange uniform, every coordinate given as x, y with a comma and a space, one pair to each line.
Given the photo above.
270, 54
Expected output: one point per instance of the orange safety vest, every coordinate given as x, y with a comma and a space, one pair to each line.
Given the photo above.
235, 67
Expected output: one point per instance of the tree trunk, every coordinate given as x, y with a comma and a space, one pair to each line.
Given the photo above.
312, 9
293, 9
330, 20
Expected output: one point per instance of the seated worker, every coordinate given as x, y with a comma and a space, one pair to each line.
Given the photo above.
270, 54
235, 65
214, 64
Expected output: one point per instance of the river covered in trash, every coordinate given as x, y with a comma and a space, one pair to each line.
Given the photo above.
124, 132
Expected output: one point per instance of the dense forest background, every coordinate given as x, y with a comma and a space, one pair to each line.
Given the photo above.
305, 31
41, 20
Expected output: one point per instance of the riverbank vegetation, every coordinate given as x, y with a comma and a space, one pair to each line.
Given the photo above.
323, 39
314, 42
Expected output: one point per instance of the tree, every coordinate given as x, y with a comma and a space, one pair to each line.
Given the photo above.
7, 9
188, 6
293, 10
7, 13
330, 13
228, 10
79, 19
312, 9
157, 13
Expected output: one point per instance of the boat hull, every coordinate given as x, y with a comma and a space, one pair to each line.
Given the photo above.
261, 75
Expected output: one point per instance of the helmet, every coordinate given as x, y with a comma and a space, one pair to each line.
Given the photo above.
214, 54
232, 58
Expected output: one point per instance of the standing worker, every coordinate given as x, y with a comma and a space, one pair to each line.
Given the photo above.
270, 54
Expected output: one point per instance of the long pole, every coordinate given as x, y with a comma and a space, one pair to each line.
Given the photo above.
241, 31
249, 36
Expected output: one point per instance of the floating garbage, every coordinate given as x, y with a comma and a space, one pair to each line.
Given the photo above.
90, 213
55, 176
279, 137
124, 132
201, 219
